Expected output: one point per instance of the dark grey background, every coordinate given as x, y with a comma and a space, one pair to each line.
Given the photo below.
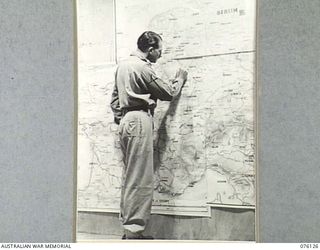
36, 120
37, 112
289, 79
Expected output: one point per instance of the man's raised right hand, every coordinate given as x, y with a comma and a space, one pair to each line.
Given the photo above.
182, 74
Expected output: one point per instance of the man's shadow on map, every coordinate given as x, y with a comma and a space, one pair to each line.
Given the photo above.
162, 137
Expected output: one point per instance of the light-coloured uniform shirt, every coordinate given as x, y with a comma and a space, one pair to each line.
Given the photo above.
137, 85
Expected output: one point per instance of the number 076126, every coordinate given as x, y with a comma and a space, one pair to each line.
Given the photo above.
309, 245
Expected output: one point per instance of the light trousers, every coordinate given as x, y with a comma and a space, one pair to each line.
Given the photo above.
136, 139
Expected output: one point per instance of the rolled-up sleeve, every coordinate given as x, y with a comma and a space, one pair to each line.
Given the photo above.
115, 105
157, 87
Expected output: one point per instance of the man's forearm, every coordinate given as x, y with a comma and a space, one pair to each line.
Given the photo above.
165, 91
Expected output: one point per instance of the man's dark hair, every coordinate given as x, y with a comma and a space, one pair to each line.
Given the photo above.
148, 39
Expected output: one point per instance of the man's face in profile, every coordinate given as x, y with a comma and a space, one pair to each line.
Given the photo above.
155, 54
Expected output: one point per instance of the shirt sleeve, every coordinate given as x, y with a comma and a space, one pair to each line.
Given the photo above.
115, 105
158, 88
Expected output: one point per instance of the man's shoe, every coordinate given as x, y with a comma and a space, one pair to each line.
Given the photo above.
138, 237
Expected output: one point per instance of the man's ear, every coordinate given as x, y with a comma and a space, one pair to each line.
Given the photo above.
150, 49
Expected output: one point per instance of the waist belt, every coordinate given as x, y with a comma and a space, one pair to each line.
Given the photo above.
138, 108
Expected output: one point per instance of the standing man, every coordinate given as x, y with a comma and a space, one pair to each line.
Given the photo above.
134, 98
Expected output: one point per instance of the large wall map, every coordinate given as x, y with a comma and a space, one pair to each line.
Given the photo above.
204, 139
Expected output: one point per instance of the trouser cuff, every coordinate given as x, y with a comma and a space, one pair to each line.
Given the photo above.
136, 229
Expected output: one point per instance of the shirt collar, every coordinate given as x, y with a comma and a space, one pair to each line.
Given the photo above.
138, 53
